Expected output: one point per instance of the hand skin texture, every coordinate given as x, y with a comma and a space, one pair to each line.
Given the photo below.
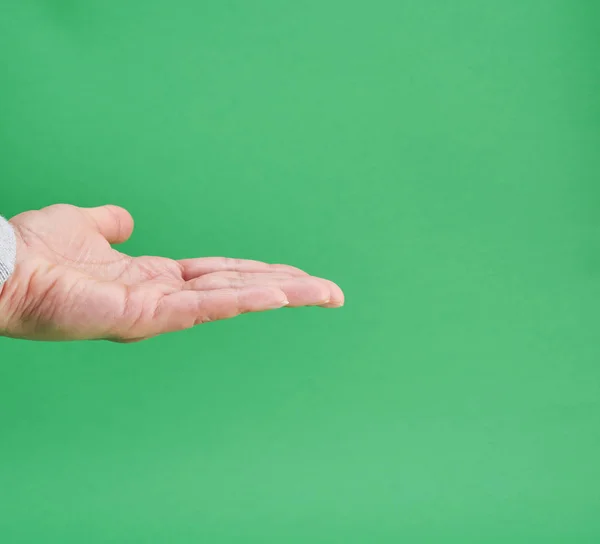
70, 284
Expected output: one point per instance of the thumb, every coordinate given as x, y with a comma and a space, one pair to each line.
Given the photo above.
113, 222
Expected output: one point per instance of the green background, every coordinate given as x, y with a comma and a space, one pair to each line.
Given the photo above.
439, 159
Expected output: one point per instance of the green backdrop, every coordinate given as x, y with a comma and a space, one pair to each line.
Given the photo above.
439, 159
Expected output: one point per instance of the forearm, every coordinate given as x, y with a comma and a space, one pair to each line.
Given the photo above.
7, 250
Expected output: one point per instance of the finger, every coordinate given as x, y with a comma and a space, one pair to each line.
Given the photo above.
336, 295
235, 280
184, 309
300, 290
193, 268
113, 222
307, 291
128, 340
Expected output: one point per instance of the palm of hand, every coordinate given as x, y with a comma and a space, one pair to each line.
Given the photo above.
69, 283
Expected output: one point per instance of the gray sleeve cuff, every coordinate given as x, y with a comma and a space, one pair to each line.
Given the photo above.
8, 250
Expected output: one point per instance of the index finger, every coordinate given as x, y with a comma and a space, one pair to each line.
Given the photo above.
194, 268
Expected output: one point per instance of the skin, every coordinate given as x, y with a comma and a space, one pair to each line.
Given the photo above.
71, 284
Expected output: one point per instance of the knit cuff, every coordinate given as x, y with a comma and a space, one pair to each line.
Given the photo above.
8, 250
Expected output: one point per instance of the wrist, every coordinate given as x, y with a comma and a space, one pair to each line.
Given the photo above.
8, 250
8, 255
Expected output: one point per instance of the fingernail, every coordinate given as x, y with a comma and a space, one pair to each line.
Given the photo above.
333, 304
285, 302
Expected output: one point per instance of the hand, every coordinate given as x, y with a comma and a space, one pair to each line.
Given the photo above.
70, 284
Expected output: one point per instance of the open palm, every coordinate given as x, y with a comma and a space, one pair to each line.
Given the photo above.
70, 283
